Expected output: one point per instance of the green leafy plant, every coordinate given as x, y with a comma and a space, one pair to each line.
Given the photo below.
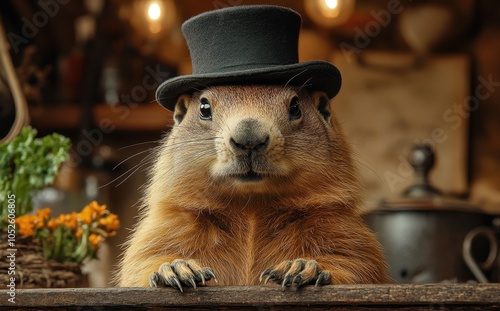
28, 164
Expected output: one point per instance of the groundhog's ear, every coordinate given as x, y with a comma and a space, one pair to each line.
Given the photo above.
323, 105
181, 109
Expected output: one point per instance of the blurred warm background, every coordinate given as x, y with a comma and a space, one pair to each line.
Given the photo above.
413, 72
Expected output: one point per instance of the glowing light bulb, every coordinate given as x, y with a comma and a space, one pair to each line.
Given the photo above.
331, 4
330, 8
154, 11
329, 13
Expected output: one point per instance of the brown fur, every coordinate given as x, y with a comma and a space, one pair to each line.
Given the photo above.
306, 208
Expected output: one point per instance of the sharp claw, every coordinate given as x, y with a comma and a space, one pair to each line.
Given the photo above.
193, 275
211, 275
286, 279
152, 280
265, 272
318, 281
267, 279
176, 281
202, 277
192, 282
298, 277
322, 279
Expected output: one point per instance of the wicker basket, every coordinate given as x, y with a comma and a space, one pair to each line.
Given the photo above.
33, 271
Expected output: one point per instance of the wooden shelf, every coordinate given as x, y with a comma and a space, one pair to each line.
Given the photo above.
143, 117
341, 297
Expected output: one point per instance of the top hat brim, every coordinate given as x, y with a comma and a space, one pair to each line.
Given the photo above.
313, 75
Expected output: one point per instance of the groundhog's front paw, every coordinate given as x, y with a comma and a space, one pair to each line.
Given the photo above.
296, 273
181, 273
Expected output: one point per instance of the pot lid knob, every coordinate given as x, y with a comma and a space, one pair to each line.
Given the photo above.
422, 160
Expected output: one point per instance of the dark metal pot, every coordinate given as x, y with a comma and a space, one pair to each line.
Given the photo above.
430, 238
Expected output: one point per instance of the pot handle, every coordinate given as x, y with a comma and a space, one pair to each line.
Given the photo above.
477, 268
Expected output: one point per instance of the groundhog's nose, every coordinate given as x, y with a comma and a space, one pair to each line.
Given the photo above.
248, 136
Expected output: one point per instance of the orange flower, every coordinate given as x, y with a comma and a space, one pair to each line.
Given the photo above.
52, 224
79, 233
70, 220
110, 223
94, 219
85, 216
27, 229
95, 240
39, 223
91, 212
26, 225
43, 214
97, 209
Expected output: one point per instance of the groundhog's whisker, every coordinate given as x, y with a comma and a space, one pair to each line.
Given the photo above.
132, 156
182, 145
361, 161
211, 138
187, 142
137, 167
188, 127
290, 80
193, 158
146, 160
312, 136
306, 83
139, 144
130, 175
202, 86
248, 201
130, 172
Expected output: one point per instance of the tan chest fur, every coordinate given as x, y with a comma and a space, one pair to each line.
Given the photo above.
247, 247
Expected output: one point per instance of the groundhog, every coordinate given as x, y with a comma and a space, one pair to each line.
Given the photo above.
254, 184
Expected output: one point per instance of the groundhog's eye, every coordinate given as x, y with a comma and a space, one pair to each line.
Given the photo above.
294, 110
205, 109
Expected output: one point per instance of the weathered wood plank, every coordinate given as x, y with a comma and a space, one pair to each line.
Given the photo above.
342, 297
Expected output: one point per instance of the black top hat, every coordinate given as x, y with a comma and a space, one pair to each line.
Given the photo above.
255, 44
